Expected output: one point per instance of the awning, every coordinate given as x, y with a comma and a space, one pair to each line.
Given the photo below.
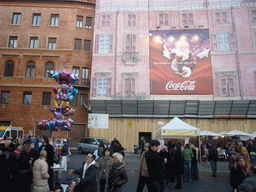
173, 108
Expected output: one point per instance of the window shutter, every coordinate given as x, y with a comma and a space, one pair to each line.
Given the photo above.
223, 86
231, 87
232, 41
132, 86
127, 87
128, 43
110, 43
214, 42
109, 87
97, 41
133, 43
94, 87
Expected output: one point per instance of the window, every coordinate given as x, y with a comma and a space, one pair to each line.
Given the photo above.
88, 23
85, 77
103, 44
253, 16
78, 43
36, 19
49, 69
46, 100
220, 17
187, 19
102, 87
87, 45
5, 97
223, 42
79, 21
163, 19
83, 99
27, 97
52, 43
76, 70
16, 18
105, 21
130, 43
129, 86
9, 65
33, 42
30, 71
131, 20
227, 87
13, 42
73, 102
227, 83
54, 20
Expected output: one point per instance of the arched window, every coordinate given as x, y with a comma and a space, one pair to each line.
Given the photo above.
30, 71
49, 69
9, 65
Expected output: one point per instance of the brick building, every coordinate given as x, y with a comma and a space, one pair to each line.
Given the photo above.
38, 37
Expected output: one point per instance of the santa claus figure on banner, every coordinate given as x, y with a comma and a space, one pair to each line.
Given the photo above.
181, 58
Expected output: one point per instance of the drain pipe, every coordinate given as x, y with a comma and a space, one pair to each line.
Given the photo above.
237, 55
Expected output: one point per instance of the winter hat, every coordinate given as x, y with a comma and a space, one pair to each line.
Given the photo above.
252, 153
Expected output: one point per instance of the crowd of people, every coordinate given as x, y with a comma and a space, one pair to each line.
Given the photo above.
106, 168
29, 166
163, 163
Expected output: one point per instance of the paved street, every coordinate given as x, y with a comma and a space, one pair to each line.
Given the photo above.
205, 183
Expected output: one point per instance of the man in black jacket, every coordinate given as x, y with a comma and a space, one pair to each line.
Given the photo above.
156, 169
49, 159
213, 158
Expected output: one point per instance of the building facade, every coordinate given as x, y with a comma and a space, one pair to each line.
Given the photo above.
38, 37
152, 58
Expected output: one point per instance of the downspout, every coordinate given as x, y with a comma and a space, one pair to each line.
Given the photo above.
117, 13
237, 55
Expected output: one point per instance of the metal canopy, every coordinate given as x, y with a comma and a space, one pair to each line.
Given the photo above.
172, 108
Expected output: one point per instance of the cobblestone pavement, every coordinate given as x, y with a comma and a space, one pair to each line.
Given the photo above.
205, 182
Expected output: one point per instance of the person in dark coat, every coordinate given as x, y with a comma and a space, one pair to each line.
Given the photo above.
213, 158
49, 159
105, 164
237, 174
156, 169
165, 156
194, 168
12, 166
177, 165
3, 169
87, 181
143, 176
117, 174
25, 168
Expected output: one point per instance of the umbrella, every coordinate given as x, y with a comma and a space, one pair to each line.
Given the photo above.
237, 133
209, 133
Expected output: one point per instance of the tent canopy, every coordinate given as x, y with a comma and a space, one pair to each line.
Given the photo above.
209, 133
177, 127
237, 133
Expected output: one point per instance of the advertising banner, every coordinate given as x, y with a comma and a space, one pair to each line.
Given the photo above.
98, 121
180, 62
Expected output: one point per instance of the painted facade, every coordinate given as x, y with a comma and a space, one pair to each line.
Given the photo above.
121, 55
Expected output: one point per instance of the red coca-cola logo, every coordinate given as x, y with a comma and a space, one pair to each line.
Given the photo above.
185, 86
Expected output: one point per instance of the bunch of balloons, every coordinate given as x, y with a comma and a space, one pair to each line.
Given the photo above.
61, 108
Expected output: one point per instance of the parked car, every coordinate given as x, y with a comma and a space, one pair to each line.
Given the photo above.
90, 144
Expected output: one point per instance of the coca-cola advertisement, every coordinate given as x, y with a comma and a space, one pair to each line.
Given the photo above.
180, 62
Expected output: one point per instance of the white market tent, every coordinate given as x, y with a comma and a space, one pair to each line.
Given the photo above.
237, 133
177, 128
209, 133
224, 133
253, 134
